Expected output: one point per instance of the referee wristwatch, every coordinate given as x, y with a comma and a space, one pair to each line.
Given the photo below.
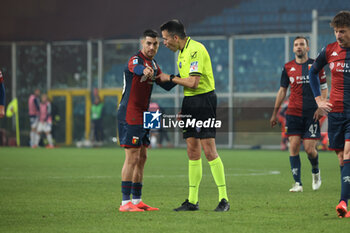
171, 77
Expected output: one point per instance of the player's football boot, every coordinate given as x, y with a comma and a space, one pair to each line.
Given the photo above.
316, 180
187, 206
341, 209
145, 207
296, 188
129, 207
223, 206
50, 147
347, 215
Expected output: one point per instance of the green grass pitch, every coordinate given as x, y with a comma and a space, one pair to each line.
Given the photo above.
78, 190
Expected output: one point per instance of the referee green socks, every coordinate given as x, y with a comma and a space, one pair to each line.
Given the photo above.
194, 178
217, 169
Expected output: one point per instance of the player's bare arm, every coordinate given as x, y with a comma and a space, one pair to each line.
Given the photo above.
192, 81
323, 104
281, 94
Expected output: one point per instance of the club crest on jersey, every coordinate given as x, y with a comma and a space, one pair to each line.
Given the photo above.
135, 140
135, 61
309, 66
180, 65
194, 66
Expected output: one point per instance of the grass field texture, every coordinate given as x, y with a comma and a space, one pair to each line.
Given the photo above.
78, 190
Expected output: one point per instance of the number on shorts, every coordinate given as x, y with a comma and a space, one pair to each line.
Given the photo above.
313, 130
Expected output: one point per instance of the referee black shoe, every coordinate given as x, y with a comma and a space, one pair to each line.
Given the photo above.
223, 206
187, 206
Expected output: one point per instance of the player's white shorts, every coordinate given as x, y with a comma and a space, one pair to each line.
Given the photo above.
44, 127
34, 121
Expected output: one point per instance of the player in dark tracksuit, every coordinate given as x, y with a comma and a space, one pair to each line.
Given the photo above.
302, 114
139, 77
337, 55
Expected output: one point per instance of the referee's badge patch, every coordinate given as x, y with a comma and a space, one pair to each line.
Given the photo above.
194, 66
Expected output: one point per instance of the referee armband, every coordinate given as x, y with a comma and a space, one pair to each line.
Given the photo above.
324, 86
138, 70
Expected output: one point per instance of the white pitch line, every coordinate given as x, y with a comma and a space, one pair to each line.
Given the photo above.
255, 173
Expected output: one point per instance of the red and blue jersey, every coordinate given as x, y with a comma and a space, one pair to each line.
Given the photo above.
137, 89
301, 100
338, 59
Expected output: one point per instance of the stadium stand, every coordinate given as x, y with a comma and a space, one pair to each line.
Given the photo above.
265, 17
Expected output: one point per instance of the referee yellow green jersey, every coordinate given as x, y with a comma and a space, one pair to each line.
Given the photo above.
194, 59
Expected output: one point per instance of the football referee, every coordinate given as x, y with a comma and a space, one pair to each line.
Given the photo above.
200, 102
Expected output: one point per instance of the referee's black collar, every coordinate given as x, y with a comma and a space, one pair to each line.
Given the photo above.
186, 45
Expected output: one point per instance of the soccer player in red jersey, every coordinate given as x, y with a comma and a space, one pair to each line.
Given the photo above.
139, 77
302, 114
337, 55
2, 96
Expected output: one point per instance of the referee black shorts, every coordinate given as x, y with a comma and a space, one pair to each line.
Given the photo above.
203, 108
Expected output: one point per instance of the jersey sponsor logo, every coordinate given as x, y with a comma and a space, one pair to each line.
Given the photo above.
194, 66
342, 67
292, 69
291, 79
331, 65
334, 54
135, 61
299, 79
135, 140
302, 79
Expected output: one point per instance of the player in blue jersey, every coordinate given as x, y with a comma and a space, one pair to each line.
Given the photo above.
337, 55
302, 115
2, 96
139, 77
